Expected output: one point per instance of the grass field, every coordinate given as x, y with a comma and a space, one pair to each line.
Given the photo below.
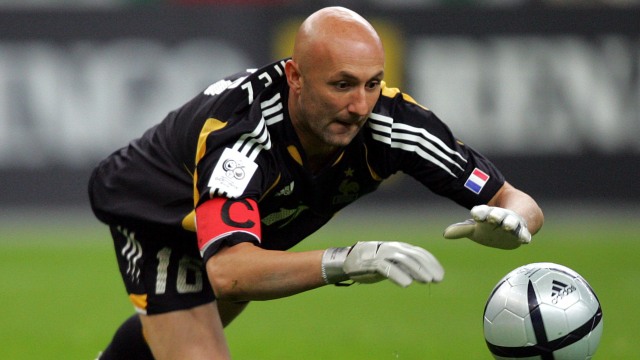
62, 297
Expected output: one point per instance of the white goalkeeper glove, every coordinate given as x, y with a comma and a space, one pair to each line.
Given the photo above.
492, 226
373, 261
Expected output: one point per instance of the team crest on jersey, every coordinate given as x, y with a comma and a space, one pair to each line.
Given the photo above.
231, 174
349, 192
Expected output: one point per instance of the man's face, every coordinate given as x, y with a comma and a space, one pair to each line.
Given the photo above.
336, 95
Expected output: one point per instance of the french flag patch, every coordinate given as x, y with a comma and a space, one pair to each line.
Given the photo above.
476, 180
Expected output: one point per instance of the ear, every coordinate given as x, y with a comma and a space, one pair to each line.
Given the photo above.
294, 78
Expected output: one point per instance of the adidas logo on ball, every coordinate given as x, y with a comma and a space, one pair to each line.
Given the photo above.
559, 290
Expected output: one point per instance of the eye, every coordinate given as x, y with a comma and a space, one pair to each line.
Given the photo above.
341, 85
372, 85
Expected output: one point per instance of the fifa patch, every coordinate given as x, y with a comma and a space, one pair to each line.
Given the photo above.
476, 180
231, 174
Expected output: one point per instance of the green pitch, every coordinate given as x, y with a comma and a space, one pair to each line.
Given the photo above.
62, 297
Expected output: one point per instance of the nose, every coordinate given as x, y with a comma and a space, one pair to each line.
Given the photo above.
359, 105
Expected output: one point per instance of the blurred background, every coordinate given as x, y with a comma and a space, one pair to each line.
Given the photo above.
549, 89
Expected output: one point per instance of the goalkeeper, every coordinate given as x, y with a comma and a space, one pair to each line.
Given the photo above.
203, 205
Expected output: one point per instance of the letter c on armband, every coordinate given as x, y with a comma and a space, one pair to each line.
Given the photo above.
227, 214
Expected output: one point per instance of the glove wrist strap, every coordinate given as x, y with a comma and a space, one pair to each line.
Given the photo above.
332, 262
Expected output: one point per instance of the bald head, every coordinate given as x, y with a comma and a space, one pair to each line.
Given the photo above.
334, 80
331, 30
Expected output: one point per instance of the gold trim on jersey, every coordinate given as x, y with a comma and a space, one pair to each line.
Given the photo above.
271, 187
189, 221
375, 176
139, 301
295, 154
391, 92
210, 125
338, 159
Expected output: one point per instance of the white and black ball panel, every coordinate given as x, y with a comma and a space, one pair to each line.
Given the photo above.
542, 311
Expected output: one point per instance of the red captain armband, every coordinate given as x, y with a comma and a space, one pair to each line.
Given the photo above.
222, 218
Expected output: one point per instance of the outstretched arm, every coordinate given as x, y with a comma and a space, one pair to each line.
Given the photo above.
246, 272
507, 221
228, 231
508, 197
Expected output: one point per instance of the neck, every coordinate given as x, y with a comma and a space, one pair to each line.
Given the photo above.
317, 152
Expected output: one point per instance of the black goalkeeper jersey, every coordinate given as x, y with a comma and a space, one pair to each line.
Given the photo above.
236, 140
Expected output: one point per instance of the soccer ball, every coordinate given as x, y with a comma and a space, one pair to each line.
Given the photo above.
543, 311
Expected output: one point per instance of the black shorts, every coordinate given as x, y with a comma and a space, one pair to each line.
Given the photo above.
161, 267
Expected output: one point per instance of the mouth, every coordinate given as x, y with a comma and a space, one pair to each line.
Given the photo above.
351, 122
346, 126
342, 131
345, 123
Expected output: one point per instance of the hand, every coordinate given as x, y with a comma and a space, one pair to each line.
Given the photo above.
492, 226
373, 261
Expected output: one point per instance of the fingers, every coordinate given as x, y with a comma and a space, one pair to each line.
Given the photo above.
460, 230
414, 261
503, 218
510, 222
490, 214
492, 226
424, 267
401, 263
523, 234
394, 273
480, 212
